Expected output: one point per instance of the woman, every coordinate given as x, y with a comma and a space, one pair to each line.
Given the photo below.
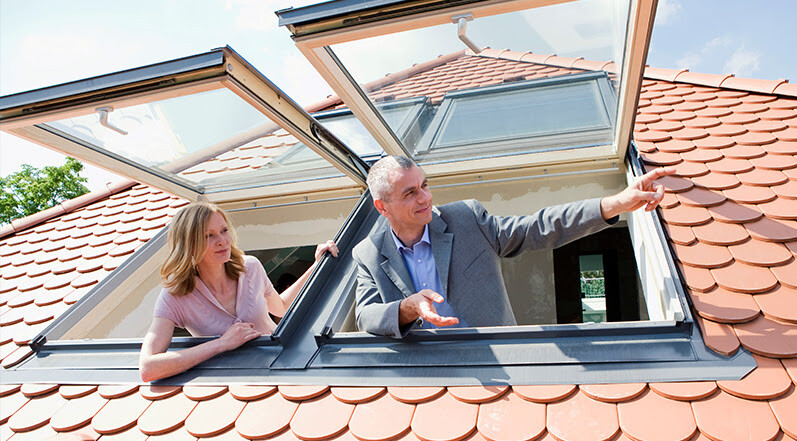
211, 288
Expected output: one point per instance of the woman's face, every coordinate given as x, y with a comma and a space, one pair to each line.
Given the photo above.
218, 236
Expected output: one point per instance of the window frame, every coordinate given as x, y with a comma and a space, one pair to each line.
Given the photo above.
27, 114
316, 28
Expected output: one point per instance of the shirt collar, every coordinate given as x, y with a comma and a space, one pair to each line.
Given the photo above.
424, 238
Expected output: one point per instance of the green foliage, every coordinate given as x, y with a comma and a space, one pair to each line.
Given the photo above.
32, 190
592, 284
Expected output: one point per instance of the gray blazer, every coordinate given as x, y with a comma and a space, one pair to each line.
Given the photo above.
467, 243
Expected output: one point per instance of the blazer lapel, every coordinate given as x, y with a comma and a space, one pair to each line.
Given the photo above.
394, 266
441, 248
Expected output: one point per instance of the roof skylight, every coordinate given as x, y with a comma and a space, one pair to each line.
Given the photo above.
354, 47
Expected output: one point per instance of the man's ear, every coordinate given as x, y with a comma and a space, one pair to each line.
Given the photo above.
380, 206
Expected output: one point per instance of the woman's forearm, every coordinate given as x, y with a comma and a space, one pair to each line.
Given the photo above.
165, 364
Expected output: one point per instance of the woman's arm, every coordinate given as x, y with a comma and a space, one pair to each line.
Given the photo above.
155, 363
278, 305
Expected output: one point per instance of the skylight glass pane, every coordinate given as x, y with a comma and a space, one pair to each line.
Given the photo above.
521, 113
351, 131
515, 46
213, 139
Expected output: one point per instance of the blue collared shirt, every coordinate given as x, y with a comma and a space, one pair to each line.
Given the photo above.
423, 269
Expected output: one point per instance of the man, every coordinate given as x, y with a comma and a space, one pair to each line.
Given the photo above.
437, 267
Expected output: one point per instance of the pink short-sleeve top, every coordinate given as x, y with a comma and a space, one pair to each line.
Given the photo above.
202, 315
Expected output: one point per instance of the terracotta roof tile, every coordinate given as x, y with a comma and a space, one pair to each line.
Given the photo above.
251, 423
714, 142
750, 195
356, 394
120, 414
511, 418
251, 393
756, 252
644, 418
158, 392
214, 416
787, 190
684, 391
321, 418
733, 212
302, 392
686, 216
768, 380
702, 155
740, 277
77, 412
131, 434
669, 200
544, 393
717, 336
477, 394
768, 337
415, 394
581, 418
779, 303
691, 169
723, 416
702, 255
76, 391
11, 404
718, 233
8, 389
674, 146
721, 305
772, 230
701, 197
382, 419
730, 166
166, 414
32, 390
444, 419
613, 393
36, 413
786, 273
716, 181
785, 410
674, 184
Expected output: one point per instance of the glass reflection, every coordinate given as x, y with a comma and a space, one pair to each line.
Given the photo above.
594, 30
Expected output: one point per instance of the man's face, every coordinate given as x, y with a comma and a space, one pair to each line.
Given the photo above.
409, 205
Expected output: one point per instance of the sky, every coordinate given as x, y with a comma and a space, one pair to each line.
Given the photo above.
47, 42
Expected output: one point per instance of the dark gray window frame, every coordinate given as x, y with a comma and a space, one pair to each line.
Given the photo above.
429, 149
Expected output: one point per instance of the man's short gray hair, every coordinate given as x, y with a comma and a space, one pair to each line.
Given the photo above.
380, 175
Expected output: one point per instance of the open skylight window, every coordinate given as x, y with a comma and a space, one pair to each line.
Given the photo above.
201, 127
554, 113
346, 43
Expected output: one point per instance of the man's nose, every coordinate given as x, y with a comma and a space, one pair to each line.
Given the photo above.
425, 195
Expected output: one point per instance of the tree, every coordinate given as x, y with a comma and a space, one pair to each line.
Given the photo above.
32, 190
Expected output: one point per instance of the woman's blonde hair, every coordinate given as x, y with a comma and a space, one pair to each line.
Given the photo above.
187, 245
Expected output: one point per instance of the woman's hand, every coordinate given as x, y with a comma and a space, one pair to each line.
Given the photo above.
238, 334
324, 247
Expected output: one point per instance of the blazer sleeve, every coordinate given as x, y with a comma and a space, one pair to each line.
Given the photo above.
373, 315
548, 228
